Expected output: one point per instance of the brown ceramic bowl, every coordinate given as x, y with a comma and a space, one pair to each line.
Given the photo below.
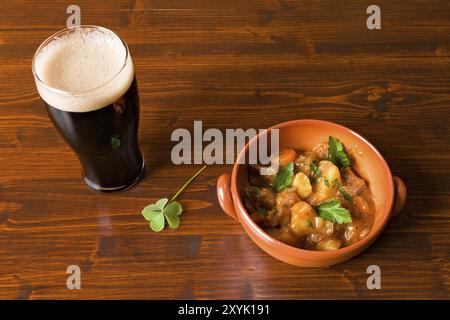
389, 192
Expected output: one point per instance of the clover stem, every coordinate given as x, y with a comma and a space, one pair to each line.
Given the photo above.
187, 183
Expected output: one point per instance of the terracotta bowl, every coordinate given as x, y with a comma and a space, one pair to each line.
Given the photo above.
389, 192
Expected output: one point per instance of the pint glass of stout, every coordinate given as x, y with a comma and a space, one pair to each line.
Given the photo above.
86, 78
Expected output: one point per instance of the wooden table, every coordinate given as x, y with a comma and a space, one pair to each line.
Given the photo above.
232, 64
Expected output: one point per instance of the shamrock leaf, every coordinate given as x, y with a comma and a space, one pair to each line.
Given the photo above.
174, 222
157, 223
172, 212
149, 215
157, 213
153, 210
173, 209
162, 203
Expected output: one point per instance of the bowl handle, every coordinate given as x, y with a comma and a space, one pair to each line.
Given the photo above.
224, 195
400, 196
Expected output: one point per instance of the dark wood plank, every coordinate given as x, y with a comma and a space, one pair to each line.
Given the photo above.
231, 64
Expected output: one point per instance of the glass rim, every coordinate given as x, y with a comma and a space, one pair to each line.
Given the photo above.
65, 31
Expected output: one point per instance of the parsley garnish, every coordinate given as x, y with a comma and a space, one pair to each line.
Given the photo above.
157, 213
336, 183
314, 171
347, 196
284, 176
336, 153
332, 211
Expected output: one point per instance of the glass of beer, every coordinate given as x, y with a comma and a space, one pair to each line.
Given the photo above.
86, 79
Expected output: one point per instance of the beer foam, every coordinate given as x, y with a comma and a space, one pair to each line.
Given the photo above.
83, 70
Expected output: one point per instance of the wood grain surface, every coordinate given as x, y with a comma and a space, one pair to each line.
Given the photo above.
232, 64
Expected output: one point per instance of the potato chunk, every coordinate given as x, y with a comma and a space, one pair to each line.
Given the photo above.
302, 185
285, 235
325, 187
324, 227
329, 245
302, 220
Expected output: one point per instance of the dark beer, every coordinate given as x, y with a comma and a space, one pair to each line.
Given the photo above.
86, 79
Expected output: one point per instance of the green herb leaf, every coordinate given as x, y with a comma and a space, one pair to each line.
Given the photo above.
161, 203
115, 141
151, 211
150, 214
308, 223
157, 213
347, 196
332, 211
173, 209
152, 207
314, 171
172, 213
336, 153
157, 223
174, 222
336, 183
284, 176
